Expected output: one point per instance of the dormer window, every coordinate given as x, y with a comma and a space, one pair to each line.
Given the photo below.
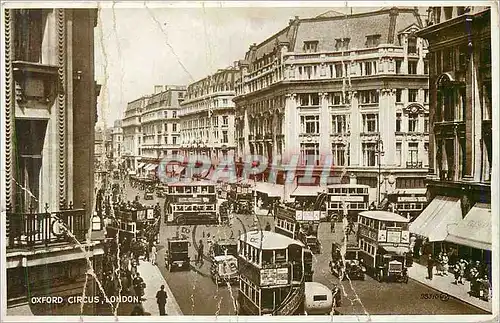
311, 46
342, 44
372, 40
412, 45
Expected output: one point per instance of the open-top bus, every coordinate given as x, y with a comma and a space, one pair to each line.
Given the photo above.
273, 272
299, 224
190, 203
384, 242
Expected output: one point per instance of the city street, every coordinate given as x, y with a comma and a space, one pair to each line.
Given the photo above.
197, 294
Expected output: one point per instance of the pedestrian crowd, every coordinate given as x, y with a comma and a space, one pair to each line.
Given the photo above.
460, 269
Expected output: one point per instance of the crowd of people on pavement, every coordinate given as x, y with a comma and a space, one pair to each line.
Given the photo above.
449, 263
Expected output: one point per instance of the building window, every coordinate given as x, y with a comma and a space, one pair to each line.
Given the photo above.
398, 122
335, 98
448, 13
370, 122
369, 96
446, 164
342, 44
398, 154
426, 158
399, 94
339, 124
311, 46
225, 138
412, 95
339, 70
426, 123
225, 121
412, 45
412, 122
372, 41
215, 121
368, 68
309, 124
307, 99
448, 59
426, 67
29, 29
174, 127
413, 154
369, 154
224, 102
309, 153
410, 182
426, 96
398, 66
174, 140
338, 152
412, 67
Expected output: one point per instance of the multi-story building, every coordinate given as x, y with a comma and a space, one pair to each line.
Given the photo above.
132, 135
99, 149
50, 114
160, 126
352, 87
207, 117
460, 147
117, 143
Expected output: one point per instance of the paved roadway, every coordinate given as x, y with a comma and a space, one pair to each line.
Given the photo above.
197, 294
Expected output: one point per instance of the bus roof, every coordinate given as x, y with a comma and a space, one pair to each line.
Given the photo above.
268, 240
383, 216
191, 183
348, 185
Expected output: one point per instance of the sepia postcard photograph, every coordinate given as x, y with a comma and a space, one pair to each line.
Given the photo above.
253, 161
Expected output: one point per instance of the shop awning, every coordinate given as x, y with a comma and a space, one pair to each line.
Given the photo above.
150, 167
141, 165
436, 220
475, 229
271, 190
307, 191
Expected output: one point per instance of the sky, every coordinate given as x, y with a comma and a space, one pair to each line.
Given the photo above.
137, 48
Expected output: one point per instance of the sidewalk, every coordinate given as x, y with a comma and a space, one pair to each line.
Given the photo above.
444, 284
154, 279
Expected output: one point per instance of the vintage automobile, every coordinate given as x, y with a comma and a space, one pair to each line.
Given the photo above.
177, 254
391, 267
149, 193
160, 191
353, 268
223, 248
224, 269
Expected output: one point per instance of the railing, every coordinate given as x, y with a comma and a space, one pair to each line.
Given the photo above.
44, 228
413, 164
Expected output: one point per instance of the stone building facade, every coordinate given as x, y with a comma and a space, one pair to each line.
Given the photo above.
344, 86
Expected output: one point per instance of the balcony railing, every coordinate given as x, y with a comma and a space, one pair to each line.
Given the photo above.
413, 164
32, 229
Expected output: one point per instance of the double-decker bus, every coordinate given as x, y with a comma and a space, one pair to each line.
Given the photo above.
408, 202
134, 224
240, 195
272, 274
190, 203
350, 198
299, 224
384, 243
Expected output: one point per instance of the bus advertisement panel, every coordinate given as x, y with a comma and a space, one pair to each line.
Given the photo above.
307, 216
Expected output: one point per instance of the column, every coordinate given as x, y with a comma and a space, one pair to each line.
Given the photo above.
355, 138
275, 120
420, 63
387, 124
404, 64
324, 122
246, 132
292, 144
